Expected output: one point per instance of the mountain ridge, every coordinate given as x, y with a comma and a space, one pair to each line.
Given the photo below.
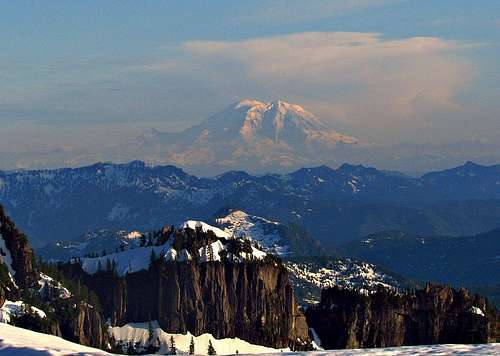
359, 199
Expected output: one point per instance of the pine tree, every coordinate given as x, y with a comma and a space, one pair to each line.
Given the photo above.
173, 349
210, 253
211, 350
150, 333
191, 346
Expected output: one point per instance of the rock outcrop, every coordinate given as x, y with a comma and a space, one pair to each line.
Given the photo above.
433, 315
253, 301
85, 327
19, 252
20, 279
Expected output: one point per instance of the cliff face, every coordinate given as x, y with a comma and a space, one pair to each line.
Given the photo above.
253, 301
85, 327
20, 278
20, 253
434, 315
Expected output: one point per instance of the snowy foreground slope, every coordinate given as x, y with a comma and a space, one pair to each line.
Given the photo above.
138, 334
16, 341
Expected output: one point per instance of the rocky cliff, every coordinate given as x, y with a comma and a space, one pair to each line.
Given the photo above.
67, 315
16, 255
433, 315
253, 301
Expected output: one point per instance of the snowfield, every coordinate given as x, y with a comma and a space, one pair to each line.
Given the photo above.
437, 350
21, 342
16, 341
138, 333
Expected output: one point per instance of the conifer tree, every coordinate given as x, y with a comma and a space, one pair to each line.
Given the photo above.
191, 346
173, 349
211, 350
150, 333
210, 253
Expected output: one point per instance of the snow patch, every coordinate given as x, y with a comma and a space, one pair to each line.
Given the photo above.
316, 343
477, 311
11, 310
6, 259
193, 224
138, 333
48, 283
134, 235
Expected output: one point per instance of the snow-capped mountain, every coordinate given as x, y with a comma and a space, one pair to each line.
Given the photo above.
249, 133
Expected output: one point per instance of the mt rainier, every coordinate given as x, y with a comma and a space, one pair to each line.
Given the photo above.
249, 133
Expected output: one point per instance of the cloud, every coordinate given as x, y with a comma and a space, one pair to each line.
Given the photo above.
359, 78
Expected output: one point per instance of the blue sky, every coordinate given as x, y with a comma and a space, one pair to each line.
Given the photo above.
401, 70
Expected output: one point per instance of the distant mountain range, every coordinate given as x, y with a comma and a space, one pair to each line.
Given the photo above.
333, 205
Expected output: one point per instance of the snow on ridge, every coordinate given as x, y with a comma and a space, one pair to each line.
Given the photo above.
263, 231
127, 261
139, 333
342, 272
193, 224
13, 309
137, 258
248, 102
47, 282
6, 259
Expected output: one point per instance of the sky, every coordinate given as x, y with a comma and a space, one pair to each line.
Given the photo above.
386, 71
